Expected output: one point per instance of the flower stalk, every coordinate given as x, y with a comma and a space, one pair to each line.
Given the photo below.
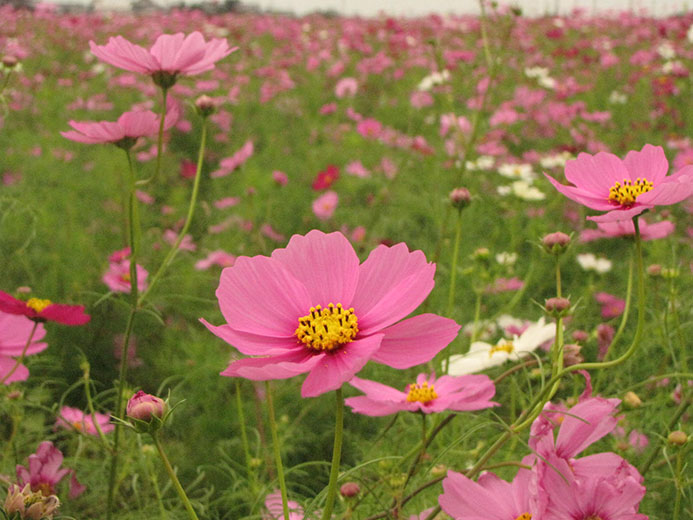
172, 475
336, 455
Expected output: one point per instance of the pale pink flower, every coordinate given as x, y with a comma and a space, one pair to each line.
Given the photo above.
227, 202
273, 503
171, 53
75, 419
420, 99
229, 164
187, 244
358, 169
325, 205
117, 278
624, 188
612, 306
427, 395
218, 257
346, 87
626, 228
280, 177
369, 128
271, 305
44, 472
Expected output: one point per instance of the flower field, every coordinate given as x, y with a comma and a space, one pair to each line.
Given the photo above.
258, 266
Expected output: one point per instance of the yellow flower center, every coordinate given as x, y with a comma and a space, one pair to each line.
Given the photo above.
421, 393
78, 425
37, 304
625, 193
327, 329
594, 517
503, 346
524, 516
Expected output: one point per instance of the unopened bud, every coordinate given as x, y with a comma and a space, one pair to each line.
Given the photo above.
481, 253
555, 243
654, 270
205, 105
460, 198
557, 307
146, 408
9, 61
677, 438
632, 399
438, 470
349, 489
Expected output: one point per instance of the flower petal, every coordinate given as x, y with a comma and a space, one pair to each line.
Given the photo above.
21, 373
336, 368
253, 344
415, 340
649, 163
326, 264
377, 390
373, 408
273, 367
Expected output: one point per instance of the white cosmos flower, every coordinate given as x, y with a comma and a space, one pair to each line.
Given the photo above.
536, 72
589, 262
483, 355
523, 190
555, 161
506, 258
689, 34
517, 171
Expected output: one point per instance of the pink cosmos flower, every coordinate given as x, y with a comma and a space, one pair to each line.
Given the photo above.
624, 188
75, 419
346, 87
171, 53
44, 310
427, 395
117, 278
311, 308
273, 503
612, 306
125, 131
218, 257
325, 205
14, 333
625, 228
44, 471
326, 178
491, 498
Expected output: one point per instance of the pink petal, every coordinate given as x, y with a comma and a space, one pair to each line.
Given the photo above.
259, 296
166, 50
274, 367
253, 344
620, 214
589, 421
667, 193
336, 368
65, 314
373, 408
463, 498
597, 173
649, 163
377, 390
6, 365
326, 264
415, 340
590, 199
125, 55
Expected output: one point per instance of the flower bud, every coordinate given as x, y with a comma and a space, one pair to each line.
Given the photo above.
557, 307
349, 489
555, 243
205, 106
632, 399
481, 253
572, 355
144, 407
677, 438
460, 198
9, 61
654, 270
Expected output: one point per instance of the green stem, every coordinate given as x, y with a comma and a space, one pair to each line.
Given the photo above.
172, 474
191, 211
336, 455
244, 436
90, 406
477, 317
683, 406
277, 452
453, 268
678, 484
20, 359
159, 142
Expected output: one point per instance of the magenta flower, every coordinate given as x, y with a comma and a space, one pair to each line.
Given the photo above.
612, 306
44, 310
14, 333
44, 471
312, 308
75, 419
171, 54
491, 498
325, 205
117, 278
124, 132
427, 395
624, 188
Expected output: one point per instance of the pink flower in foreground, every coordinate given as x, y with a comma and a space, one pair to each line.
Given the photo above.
172, 54
325, 205
75, 419
143, 406
624, 188
491, 498
14, 333
44, 471
44, 310
124, 132
427, 395
311, 308
117, 278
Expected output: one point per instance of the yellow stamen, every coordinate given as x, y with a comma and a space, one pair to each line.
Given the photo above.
422, 393
37, 304
625, 193
327, 329
503, 346
78, 425
524, 516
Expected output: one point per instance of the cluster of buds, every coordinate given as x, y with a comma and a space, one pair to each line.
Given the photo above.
147, 412
23, 503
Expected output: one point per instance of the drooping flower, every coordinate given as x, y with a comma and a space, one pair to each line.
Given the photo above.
427, 395
14, 334
624, 188
44, 472
483, 355
41, 311
124, 132
491, 498
311, 308
75, 419
171, 55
